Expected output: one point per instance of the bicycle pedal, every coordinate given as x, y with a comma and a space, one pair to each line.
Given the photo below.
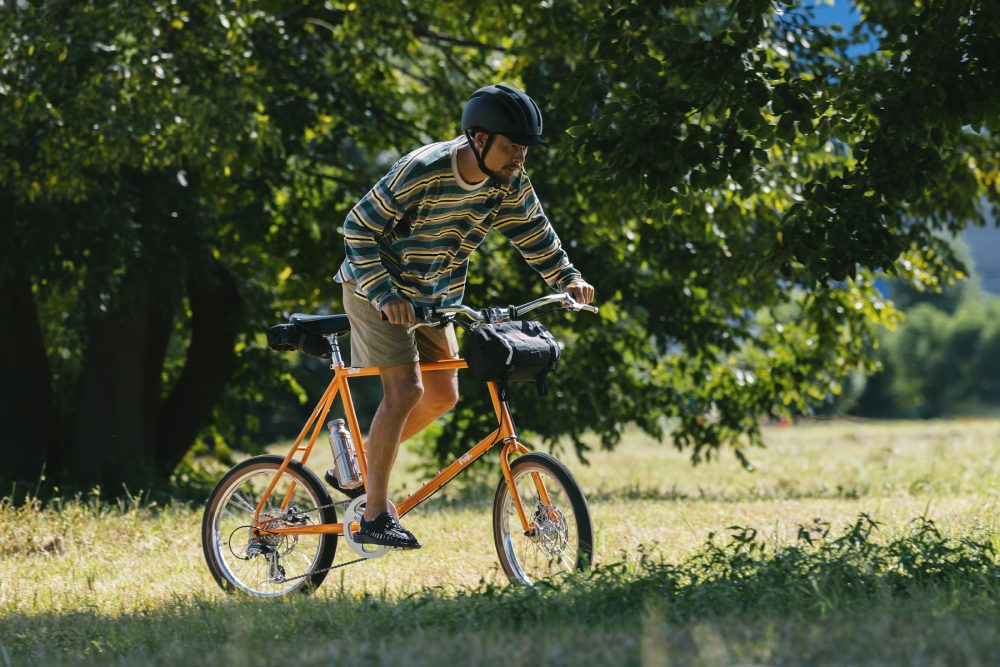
331, 479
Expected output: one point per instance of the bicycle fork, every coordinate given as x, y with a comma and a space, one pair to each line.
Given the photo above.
511, 445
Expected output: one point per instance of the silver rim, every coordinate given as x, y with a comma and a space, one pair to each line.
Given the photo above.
553, 547
274, 567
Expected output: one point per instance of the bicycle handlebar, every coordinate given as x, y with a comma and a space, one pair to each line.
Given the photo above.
438, 316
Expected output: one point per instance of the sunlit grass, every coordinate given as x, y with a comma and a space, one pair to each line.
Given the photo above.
127, 582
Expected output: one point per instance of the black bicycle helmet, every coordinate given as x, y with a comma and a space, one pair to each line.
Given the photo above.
501, 109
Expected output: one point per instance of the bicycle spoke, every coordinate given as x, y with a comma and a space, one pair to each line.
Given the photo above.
552, 549
297, 556
245, 504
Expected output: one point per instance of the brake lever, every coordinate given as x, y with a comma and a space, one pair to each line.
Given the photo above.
573, 304
416, 326
441, 321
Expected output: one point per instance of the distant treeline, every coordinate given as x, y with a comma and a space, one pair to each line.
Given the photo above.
943, 360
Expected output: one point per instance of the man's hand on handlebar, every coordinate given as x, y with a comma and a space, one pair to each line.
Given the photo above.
581, 290
399, 311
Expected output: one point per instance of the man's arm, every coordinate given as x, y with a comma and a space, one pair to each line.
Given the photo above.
361, 229
523, 222
372, 218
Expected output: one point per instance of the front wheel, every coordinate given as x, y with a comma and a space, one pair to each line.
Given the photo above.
261, 564
560, 535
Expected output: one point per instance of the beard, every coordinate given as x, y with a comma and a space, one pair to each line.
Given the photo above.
506, 174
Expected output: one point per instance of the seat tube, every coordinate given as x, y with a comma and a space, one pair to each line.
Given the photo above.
352, 422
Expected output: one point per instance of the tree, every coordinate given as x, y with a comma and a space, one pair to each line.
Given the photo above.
143, 146
735, 181
171, 179
728, 176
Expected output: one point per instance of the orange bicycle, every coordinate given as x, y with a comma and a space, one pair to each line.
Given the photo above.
270, 527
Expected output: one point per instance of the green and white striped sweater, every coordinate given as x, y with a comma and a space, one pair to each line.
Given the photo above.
412, 234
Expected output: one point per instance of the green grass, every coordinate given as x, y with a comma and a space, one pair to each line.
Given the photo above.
860, 543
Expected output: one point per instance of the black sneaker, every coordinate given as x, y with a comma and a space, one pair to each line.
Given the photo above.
331, 479
384, 530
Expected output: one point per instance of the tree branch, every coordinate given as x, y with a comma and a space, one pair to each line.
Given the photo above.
457, 41
328, 18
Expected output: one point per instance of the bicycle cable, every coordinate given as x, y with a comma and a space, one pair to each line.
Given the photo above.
307, 574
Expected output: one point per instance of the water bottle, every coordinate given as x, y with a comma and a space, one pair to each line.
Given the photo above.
345, 461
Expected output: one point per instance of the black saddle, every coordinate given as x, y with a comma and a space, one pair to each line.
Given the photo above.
323, 325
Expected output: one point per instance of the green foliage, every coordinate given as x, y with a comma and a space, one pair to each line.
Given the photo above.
728, 177
732, 181
938, 363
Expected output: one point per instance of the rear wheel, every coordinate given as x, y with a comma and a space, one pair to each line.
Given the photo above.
560, 535
255, 562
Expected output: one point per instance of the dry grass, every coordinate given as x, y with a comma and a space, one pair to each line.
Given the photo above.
112, 581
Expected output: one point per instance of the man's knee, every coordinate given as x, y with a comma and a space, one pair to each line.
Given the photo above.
402, 389
442, 395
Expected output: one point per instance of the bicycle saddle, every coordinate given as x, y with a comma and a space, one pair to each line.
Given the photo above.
321, 324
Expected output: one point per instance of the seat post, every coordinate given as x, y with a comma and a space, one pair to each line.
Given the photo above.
337, 360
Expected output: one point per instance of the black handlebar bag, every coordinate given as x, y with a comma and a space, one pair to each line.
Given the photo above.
511, 352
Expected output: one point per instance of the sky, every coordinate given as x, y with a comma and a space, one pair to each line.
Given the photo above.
841, 11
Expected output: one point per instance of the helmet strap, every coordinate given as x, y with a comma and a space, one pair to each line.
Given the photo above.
481, 157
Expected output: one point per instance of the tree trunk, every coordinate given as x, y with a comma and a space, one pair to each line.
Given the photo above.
109, 441
27, 415
211, 360
159, 327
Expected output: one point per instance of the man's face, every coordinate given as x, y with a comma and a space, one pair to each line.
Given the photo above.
505, 158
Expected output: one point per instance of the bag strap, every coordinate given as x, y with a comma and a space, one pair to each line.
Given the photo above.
541, 382
502, 385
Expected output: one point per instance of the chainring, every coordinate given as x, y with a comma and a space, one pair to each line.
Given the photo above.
353, 514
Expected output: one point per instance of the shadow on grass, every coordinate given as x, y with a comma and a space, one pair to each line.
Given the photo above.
725, 595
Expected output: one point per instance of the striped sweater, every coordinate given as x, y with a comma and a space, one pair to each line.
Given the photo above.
412, 234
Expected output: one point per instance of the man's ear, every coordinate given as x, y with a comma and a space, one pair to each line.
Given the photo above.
480, 139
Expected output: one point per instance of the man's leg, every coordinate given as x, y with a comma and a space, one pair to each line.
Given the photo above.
440, 396
402, 390
440, 387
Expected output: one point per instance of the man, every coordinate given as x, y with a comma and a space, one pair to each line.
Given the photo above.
408, 243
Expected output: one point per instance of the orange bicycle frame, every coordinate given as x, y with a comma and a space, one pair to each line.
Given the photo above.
504, 433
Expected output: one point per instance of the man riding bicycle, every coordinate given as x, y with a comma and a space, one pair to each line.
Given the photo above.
408, 243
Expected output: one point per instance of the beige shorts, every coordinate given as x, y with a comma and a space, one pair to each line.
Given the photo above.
377, 342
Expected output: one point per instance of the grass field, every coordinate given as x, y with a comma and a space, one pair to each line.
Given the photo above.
897, 564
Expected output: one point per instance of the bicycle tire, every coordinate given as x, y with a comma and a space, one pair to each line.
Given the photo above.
214, 541
510, 538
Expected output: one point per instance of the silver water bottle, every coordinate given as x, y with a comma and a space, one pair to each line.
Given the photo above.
345, 460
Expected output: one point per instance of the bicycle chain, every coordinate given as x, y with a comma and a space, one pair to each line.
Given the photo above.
325, 569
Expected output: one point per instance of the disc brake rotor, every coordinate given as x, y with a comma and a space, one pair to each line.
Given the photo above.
551, 533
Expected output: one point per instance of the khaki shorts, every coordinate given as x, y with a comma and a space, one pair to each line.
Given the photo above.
377, 342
